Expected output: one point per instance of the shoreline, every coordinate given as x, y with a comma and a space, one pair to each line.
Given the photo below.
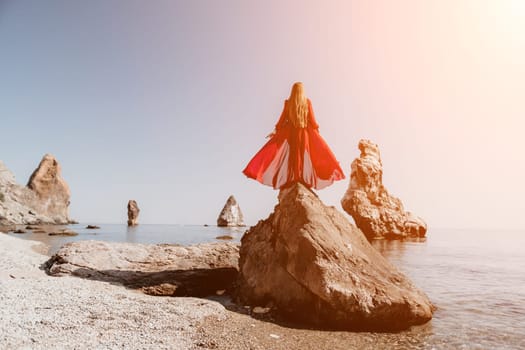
67, 312
71, 312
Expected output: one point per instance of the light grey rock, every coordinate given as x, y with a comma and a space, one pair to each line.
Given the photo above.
231, 214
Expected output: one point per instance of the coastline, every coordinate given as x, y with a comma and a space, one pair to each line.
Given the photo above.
47, 312
69, 312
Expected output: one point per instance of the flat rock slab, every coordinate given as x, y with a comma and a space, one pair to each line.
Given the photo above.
157, 269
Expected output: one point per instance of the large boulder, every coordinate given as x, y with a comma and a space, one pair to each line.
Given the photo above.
377, 213
311, 265
45, 200
158, 269
231, 214
53, 192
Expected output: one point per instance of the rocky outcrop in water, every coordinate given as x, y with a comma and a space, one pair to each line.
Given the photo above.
377, 213
133, 213
45, 200
160, 269
231, 214
311, 265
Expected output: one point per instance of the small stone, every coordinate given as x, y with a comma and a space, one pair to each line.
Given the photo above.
260, 310
225, 237
63, 233
274, 336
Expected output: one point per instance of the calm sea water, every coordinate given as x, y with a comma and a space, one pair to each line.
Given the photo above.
475, 278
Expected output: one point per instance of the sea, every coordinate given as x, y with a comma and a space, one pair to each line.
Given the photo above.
476, 278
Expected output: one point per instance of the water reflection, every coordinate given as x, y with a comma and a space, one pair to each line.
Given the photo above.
131, 234
395, 249
149, 234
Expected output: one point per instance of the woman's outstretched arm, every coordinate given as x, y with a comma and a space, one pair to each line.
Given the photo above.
281, 122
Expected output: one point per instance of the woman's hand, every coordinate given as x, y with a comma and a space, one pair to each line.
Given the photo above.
270, 135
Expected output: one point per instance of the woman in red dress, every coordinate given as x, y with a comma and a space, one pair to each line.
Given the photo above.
296, 152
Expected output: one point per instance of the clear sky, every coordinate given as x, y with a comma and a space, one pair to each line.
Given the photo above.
166, 101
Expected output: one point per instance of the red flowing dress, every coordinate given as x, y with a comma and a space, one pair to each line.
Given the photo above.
295, 154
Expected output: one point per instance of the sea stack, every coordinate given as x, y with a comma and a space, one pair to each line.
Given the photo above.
311, 265
45, 199
133, 213
53, 192
377, 213
231, 214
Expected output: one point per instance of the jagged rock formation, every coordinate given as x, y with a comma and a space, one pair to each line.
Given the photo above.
311, 265
133, 213
231, 214
45, 200
160, 269
53, 192
377, 213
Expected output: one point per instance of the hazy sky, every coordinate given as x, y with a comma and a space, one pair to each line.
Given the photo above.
166, 101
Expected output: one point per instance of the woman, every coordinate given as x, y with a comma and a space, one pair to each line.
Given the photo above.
296, 152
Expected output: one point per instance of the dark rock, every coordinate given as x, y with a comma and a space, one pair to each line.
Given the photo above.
63, 233
224, 237
314, 267
92, 227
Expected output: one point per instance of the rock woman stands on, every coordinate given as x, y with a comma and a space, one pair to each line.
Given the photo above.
296, 152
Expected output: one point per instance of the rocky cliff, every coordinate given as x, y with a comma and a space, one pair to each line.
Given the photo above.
45, 200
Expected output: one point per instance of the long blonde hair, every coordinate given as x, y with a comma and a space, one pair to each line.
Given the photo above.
298, 106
